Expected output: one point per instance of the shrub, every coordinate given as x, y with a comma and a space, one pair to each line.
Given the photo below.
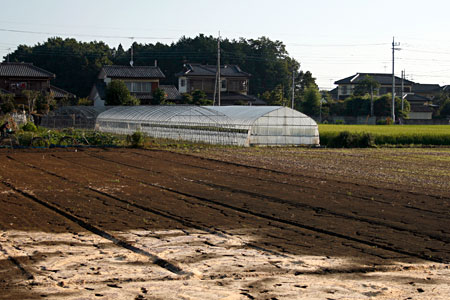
339, 122
348, 139
136, 140
29, 127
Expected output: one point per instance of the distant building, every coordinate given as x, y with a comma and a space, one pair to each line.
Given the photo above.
17, 77
141, 81
234, 85
429, 91
347, 85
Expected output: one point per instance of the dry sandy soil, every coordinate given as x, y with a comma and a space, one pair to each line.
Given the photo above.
225, 223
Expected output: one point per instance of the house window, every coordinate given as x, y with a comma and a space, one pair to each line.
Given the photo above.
344, 90
139, 87
224, 84
183, 82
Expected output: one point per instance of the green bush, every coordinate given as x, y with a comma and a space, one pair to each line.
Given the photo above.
339, 122
29, 127
136, 140
348, 139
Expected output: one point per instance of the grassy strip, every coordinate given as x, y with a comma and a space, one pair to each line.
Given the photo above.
397, 135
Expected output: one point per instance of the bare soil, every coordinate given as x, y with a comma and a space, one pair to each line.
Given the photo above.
225, 223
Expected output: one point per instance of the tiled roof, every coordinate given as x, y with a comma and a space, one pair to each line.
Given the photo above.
60, 93
210, 70
171, 91
424, 88
132, 72
381, 78
23, 70
417, 98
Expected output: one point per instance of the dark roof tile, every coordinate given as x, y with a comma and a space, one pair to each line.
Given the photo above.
60, 93
171, 92
23, 70
210, 70
133, 72
381, 78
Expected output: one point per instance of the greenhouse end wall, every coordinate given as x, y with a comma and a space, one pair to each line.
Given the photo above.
224, 125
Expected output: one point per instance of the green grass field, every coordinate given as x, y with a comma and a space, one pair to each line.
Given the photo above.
392, 134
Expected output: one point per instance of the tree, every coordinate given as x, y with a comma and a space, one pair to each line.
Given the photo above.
357, 105
199, 98
77, 64
31, 97
7, 103
117, 93
275, 97
444, 110
186, 99
45, 103
383, 106
367, 86
159, 97
311, 101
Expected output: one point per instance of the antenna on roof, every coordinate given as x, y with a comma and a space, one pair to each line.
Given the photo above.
132, 42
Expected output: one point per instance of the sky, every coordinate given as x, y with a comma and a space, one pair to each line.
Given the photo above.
332, 39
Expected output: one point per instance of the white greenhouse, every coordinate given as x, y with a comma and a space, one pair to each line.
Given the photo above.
224, 125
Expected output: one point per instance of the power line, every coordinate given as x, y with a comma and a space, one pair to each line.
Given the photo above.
88, 35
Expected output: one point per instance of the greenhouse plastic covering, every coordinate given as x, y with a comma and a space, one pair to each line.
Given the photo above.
73, 116
225, 125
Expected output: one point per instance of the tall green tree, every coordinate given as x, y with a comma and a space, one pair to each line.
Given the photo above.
367, 86
117, 93
159, 97
311, 101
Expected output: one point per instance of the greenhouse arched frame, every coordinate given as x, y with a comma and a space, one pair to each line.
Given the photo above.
223, 125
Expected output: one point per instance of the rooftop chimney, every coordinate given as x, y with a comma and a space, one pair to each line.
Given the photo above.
156, 63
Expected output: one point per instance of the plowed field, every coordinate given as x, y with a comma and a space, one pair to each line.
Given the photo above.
224, 224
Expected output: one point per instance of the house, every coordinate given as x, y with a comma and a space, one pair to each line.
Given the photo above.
17, 77
421, 107
429, 91
234, 83
347, 85
141, 81
59, 94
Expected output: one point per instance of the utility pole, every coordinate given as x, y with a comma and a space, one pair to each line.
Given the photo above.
219, 83
132, 42
293, 88
394, 45
403, 94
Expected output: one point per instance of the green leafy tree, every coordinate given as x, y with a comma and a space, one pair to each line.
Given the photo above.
159, 97
31, 97
275, 97
77, 64
7, 103
311, 101
367, 86
444, 110
117, 93
45, 103
186, 99
357, 105
199, 98
383, 106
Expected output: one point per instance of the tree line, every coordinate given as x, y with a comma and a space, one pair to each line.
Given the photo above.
77, 64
